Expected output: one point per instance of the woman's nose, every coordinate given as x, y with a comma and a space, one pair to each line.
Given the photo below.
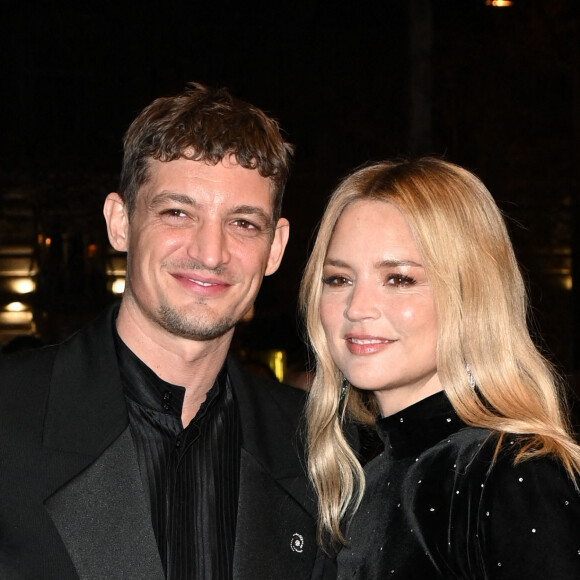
363, 302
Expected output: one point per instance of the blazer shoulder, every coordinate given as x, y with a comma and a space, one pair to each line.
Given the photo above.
25, 383
266, 391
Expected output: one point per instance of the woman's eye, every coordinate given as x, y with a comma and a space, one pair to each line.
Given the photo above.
400, 280
335, 281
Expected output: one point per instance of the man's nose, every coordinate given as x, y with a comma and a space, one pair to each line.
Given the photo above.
209, 244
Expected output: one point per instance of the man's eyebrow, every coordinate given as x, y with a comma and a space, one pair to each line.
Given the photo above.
252, 210
165, 196
248, 210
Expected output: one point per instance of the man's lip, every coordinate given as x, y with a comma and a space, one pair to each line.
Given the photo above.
201, 281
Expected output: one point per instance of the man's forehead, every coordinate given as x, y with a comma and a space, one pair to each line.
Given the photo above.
185, 176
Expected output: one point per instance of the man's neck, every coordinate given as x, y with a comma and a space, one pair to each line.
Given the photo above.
188, 363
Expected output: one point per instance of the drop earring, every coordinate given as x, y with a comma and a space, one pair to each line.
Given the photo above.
343, 389
470, 376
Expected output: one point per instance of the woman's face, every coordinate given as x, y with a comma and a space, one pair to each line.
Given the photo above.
377, 307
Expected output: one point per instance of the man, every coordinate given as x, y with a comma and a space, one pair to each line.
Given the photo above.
137, 448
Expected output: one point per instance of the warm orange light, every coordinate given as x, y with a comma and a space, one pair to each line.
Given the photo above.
21, 285
118, 286
16, 307
498, 3
92, 250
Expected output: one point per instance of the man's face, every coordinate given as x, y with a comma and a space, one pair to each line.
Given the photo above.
198, 244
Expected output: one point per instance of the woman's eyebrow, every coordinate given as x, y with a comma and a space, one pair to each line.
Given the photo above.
393, 263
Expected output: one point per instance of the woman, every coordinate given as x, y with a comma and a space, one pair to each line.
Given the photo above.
416, 311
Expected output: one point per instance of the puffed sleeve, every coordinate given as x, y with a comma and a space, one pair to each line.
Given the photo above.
529, 522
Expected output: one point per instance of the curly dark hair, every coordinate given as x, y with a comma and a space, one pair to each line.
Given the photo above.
204, 124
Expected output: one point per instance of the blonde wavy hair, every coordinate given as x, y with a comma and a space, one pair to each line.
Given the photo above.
481, 305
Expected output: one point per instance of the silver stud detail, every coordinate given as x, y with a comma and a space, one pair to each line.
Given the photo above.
297, 543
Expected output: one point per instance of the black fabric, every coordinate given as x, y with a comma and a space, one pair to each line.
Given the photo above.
62, 407
120, 498
191, 473
434, 507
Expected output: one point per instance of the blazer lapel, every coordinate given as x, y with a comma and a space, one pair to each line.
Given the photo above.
271, 421
98, 504
86, 406
103, 518
276, 507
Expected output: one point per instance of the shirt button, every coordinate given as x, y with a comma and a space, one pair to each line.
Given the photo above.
178, 443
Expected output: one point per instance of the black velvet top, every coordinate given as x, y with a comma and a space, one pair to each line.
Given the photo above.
435, 508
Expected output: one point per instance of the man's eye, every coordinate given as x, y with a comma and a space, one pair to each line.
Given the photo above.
174, 213
335, 281
245, 224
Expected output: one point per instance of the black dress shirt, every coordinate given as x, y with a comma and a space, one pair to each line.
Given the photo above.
191, 473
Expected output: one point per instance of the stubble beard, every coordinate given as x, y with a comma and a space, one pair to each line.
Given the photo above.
182, 325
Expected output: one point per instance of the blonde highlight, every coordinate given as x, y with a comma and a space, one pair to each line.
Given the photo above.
482, 309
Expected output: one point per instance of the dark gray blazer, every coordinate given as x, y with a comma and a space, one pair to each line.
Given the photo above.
72, 504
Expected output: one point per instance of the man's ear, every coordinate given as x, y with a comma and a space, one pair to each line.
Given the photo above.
278, 246
117, 220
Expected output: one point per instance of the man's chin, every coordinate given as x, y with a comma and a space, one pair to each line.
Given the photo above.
194, 328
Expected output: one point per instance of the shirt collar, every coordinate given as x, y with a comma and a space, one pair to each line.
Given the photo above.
418, 427
147, 389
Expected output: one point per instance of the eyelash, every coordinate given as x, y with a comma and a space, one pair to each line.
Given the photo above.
336, 281
399, 280
246, 225
173, 212
241, 223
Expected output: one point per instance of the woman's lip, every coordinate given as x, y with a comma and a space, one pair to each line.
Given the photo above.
366, 338
361, 345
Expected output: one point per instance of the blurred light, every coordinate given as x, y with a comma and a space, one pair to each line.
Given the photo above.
118, 286
275, 360
498, 3
16, 307
567, 282
117, 265
248, 315
15, 318
92, 250
278, 363
22, 285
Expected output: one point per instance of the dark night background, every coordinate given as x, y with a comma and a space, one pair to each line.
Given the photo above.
494, 89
